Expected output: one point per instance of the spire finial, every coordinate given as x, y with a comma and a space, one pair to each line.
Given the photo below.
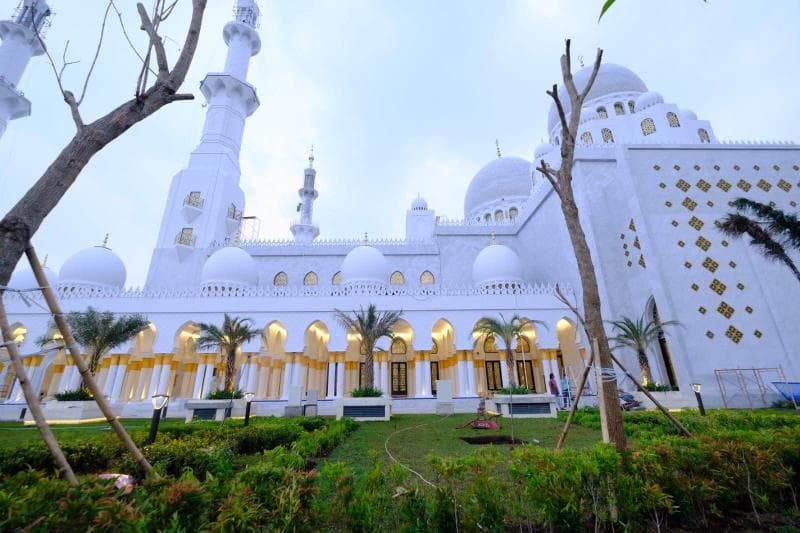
311, 157
494, 238
366, 238
105, 240
44, 263
497, 144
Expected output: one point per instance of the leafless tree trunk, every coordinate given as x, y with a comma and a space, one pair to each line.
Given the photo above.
32, 400
24, 219
561, 180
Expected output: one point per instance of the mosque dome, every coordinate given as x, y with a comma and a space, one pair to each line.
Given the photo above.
496, 264
541, 150
229, 266
97, 266
504, 178
419, 204
611, 79
687, 115
24, 279
365, 264
647, 100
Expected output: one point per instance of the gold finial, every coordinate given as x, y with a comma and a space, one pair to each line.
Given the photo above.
497, 144
44, 263
311, 157
366, 238
105, 241
494, 238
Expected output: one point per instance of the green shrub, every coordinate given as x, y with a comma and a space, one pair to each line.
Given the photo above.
173, 456
77, 395
659, 387
515, 390
255, 439
225, 395
85, 456
366, 392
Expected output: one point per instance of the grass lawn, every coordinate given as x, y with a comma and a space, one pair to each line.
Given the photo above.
414, 437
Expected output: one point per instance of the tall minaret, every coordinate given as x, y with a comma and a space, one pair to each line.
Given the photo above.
20, 44
205, 203
304, 230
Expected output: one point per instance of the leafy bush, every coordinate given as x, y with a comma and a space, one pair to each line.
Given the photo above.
658, 387
225, 395
85, 456
515, 390
366, 392
77, 395
256, 439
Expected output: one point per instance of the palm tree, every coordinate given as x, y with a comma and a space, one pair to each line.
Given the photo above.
638, 334
507, 331
371, 325
234, 332
770, 230
99, 332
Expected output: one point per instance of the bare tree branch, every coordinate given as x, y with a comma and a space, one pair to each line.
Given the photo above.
96, 54
560, 107
127, 37
544, 168
155, 39
593, 75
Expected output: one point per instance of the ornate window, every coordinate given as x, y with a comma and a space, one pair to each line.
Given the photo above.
487, 217
398, 346
648, 126
337, 279
619, 109
601, 112
489, 345
194, 199
233, 214
310, 279
434, 348
703, 134
632, 105
586, 137
523, 346
397, 278
280, 279
512, 213
608, 137
672, 118
499, 216
426, 278
185, 237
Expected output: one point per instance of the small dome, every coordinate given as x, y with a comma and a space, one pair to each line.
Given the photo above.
496, 264
687, 115
541, 150
419, 204
611, 79
647, 100
365, 264
24, 279
504, 178
97, 266
229, 266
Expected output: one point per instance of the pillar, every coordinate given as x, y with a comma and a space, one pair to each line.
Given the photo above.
340, 374
165, 375
119, 377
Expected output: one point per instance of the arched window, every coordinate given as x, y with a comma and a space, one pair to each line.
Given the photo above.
489, 346
648, 126
281, 279
435, 348
512, 213
426, 278
608, 137
499, 215
310, 279
703, 134
632, 106
586, 137
487, 217
337, 279
398, 346
672, 118
397, 279
601, 112
619, 109
523, 346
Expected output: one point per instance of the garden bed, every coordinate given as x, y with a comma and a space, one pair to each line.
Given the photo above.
492, 439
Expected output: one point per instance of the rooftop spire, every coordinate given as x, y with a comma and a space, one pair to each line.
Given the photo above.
105, 241
494, 239
366, 238
311, 157
497, 144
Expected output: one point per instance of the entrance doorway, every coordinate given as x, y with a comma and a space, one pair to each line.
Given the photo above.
494, 376
399, 379
434, 376
525, 374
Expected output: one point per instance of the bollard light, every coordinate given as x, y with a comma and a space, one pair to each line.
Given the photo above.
159, 401
248, 398
697, 388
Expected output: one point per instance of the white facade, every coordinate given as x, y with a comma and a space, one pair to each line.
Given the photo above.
650, 180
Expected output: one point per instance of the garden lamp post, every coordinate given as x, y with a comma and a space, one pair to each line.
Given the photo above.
248, 398
159, 401
697, 388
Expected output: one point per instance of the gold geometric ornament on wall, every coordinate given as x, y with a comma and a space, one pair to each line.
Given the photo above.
724, 185
710, 265
696, 223
689, 204
703, 185
733, 334
725, 310
744, 185
703, 243
764, 185
717, 286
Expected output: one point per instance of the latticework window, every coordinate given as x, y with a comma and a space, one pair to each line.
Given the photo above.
280, 279
499, 216
586, 137
703, 134
696, 223
608, 137
672, 118
310, 279
709, 264
397, 278
426, 278
512, 213
703, 243
744, 185
648, 127
337, 279
601, 112
619, 109
784, 185
398, 346
689, 204
631, 105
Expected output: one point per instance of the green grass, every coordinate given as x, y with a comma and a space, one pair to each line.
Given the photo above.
415, 437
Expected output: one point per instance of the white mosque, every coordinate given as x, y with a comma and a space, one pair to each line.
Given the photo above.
650, 178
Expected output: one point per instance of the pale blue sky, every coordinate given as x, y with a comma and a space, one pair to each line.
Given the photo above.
399, 97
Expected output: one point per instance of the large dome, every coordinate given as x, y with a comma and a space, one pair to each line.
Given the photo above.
229, 266
611, 79
497, 264
97, 266
24, 279
365, 264
504, 178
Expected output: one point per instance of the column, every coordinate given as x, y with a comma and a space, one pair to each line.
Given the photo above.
546, 370
75, 379
165, 375
419, 385
145, 377
385, 386
504, 372
331, 388
263, 377
155, 376
340, 373
470, 364
425, 362
119, 377
199, 377
111, 373
288, 375
252, 376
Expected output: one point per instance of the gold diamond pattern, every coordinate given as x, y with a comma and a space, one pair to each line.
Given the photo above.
709, 334
687, 264
758, 334
683, 185
764, 185
631, 226
717, 286
702, 310
725, 310
710, 265
784, 185
703, 185
681, 244
695, 287
724, 185
749, 309
744, 185
662, 185
636, 243
696, 223
641, 262
689, 204
733, 334
732, 264
740, 286
703, 243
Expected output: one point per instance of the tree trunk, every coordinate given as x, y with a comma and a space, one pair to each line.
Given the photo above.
369, 371
83, 369
230, 367
512, 378
644, 365
33, 401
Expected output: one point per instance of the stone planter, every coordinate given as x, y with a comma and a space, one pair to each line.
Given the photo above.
669, 399
213, 409
83, 411
524, 405
364, 409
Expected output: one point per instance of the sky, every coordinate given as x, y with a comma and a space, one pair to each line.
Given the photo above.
399, 97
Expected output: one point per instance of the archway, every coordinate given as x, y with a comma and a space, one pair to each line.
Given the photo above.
438, 363
312, 372
274, 363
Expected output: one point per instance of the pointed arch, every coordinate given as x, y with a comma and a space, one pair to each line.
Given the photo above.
336, 279
673, 121
310, 278
397, 278
648, 126
426, 278
281, 279
619, 109
601, 112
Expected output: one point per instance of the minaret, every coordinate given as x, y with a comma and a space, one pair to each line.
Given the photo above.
20, 44
205, 203
304, 229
